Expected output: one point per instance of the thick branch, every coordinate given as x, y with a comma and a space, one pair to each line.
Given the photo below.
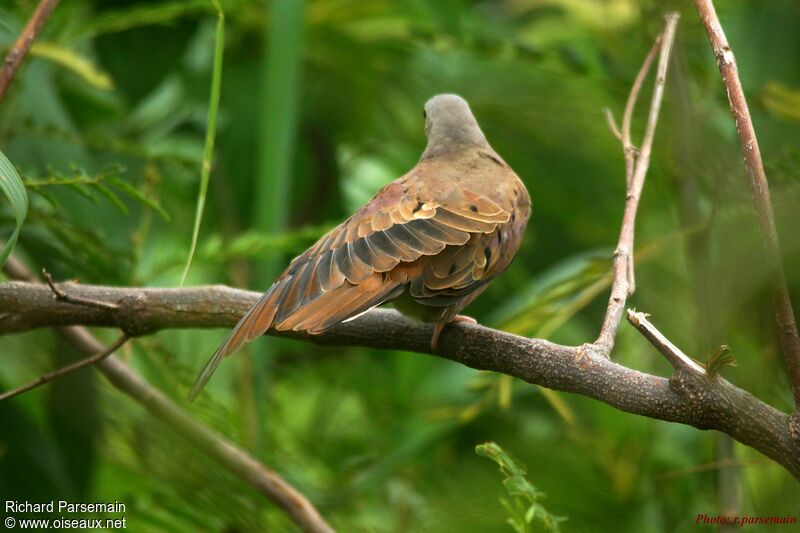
23, 43
688, 398
781, 302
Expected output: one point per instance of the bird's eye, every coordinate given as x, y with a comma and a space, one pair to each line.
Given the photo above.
424, 114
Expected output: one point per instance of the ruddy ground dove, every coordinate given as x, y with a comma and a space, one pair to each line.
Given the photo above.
431, 241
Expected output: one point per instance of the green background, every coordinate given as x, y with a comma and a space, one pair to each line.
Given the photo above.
321, 105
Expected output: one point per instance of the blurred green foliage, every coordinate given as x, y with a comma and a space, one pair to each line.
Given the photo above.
525, 512
106, 125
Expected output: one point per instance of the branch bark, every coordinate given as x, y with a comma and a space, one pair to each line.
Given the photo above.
23, 43
689, 398
788, 335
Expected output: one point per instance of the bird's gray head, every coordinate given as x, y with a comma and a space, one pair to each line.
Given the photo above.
449, 125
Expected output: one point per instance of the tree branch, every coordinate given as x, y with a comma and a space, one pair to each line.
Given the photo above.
124, 378
636, 166
781, 302
673, 354
629, 150
23, 43
52, 376
688, 398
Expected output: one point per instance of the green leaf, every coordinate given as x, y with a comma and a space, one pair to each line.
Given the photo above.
211, 133
524, 508
82, 190
530, 514
74, 62
781, 100
158, 106
47, 196
720, 358
553, 297
112, 197
118, 20
135, 193
14, 189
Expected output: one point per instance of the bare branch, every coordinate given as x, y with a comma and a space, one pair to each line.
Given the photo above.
781, 302
52, 376
624, 283
23, 43
612, 124
628, 147
673, 354
687, 397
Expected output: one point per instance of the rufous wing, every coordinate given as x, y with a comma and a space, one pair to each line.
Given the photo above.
405, 234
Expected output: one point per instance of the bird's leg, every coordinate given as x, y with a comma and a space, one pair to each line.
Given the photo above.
437, 330
439, 326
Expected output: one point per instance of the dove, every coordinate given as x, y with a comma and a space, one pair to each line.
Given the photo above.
430, 242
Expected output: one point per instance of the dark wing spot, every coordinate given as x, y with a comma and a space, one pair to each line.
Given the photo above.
488, 253
418, 207
473, 208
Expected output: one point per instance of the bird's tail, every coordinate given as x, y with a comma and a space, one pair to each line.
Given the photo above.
207, 372
316, 315
253, 324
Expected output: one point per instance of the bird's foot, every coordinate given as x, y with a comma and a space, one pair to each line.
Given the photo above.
463, 318
437, 329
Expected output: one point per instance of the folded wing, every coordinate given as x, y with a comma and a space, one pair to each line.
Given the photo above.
401, 238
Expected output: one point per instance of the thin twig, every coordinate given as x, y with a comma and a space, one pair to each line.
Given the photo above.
673, 354
628, 147
624, 284
612, 124
781, 302
52, 376
60, 294
23, 43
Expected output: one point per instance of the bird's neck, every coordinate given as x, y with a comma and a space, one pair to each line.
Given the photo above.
448, 145
453, 136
